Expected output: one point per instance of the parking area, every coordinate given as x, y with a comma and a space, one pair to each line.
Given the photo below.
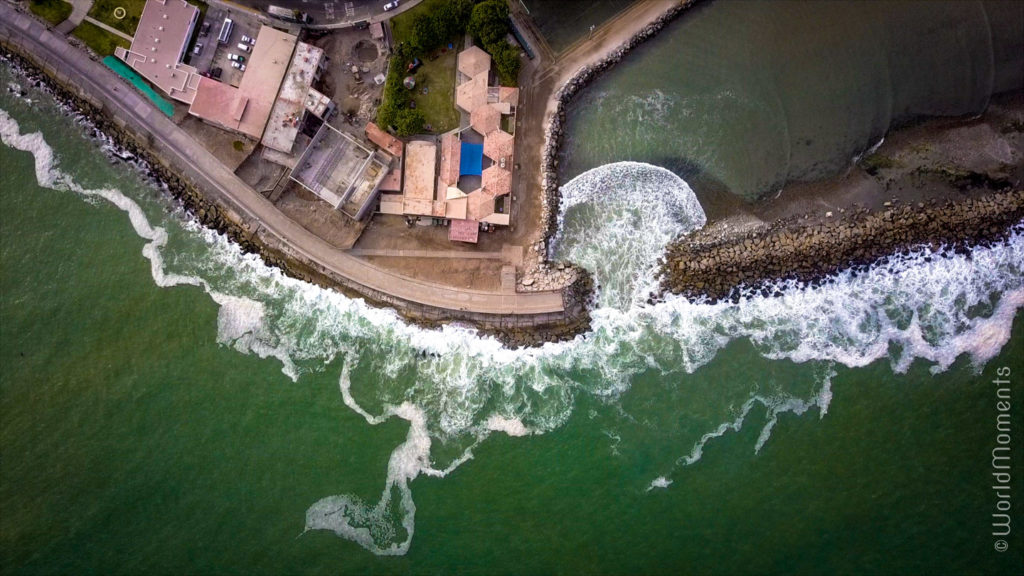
214, 55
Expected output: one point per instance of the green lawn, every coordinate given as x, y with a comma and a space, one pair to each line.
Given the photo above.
103, 10
53, 11
401, 25
438, 104
101, 41
438, 76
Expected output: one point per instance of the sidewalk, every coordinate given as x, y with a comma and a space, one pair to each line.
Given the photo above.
192, 161
79, 10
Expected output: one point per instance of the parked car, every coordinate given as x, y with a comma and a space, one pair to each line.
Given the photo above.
198, 48
235, 64
232, 56
391, 5
216, 72
205, 29
241, 67
243, 47
248, 39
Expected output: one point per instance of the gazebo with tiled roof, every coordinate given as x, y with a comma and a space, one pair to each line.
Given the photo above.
496, 181
485, 119
473, 62
472, 94
498, 144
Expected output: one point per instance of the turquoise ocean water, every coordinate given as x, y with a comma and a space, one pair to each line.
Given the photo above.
170, 405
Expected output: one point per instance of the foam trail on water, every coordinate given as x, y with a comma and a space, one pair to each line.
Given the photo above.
455, 385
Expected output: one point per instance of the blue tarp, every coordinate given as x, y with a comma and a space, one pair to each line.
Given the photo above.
472, 159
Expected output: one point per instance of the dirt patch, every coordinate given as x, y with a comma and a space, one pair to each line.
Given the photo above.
318, 217
365, 51
219, 143
356, 93
472, 274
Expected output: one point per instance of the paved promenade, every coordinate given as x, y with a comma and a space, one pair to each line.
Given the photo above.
54, 52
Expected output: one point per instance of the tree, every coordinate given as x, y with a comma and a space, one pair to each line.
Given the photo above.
506, 59
425, 33
488, 22
408, 122
451, 18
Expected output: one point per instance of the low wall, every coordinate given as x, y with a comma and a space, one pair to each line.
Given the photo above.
214, 212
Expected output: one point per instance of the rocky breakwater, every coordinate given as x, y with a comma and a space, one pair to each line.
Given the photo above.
705, 265
538, 271
134, 148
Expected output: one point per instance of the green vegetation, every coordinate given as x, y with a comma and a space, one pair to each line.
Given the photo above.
875, 162
103, 10
53, 11
101, 41
438, 77
417, 33
238, 145
489, 24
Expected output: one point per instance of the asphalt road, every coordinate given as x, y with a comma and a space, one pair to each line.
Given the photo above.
123, 102
333, 12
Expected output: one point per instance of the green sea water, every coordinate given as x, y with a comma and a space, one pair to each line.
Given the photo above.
743, 97
170, 405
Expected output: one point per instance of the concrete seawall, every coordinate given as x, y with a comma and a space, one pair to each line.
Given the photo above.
219, 199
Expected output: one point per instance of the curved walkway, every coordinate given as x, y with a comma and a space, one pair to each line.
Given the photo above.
79, 8
55, 53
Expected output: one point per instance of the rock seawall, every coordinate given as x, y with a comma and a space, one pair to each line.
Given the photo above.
556, 127
526, 330
697, 266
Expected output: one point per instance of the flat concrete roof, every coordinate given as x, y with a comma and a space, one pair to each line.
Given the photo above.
158, 47
335, 167
420, 162
264, 72
286, 113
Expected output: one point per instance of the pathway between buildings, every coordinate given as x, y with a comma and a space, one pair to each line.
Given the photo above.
101, 84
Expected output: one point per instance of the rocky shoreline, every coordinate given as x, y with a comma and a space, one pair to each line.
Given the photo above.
551, 196
703, 265
510, 330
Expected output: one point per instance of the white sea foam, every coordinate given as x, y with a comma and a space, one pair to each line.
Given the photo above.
453, 384
659, 482
616, 220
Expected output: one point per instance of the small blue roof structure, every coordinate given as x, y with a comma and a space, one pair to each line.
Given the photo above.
472, 160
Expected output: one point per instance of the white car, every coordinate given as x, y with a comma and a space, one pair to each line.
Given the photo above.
243, 47
391, 5
241, 67
233, 57
235, 65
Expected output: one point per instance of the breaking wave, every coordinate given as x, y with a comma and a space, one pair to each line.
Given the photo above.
616, 220
457, 387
